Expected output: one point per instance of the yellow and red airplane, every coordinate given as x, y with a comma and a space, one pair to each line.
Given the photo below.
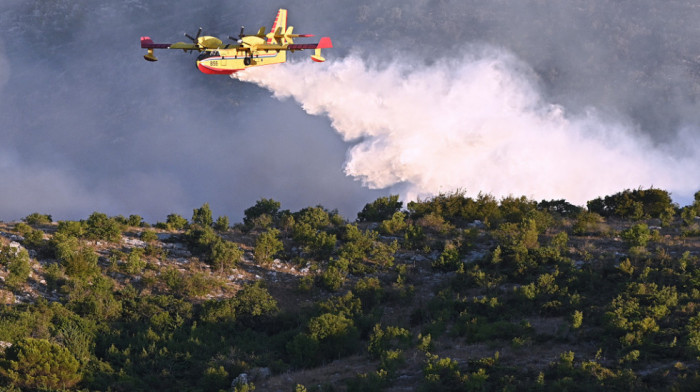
249, 50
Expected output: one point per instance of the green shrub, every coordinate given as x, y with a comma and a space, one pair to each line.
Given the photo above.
40, 364
149, 236
637, 235
17, 262
222, 223
263, 207
202, 216
100, 227
381, 209
267, 246
37, 219
176, 222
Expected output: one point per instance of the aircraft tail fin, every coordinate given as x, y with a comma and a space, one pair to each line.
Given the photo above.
280, 23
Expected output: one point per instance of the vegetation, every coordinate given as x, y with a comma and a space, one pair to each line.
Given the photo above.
453, 293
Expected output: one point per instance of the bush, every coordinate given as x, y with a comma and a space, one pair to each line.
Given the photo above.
394, 225
449, 259
134, 263
336, 334
81, 263
332, 278
99, 227
40, 364
149, 236
37, 219
263, 207
634, 204
17, 262
267, 246
176, 222
383, 339
135, 221
202, 216
224, 256
637, 235
222, 223
381, 209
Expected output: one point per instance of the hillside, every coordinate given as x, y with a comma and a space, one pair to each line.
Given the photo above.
448, 293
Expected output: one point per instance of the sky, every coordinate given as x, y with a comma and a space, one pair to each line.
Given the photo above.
541, 98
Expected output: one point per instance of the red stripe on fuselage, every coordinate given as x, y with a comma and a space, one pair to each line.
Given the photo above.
212, 71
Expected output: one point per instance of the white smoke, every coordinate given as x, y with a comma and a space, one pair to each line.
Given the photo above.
476, 123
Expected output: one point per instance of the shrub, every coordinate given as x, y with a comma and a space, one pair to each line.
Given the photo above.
134, 263
176, 222
37, 219
149, 236
383, 339
81, 263
336, 334
333, 278
224, 256
202, 216
267, 246
222, 223
634, 204
99, 227
135, 221
17, 263
394, 225
40, 364
381, 209
262, 207
637, 235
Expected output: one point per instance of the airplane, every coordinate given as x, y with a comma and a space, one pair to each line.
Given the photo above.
217, 58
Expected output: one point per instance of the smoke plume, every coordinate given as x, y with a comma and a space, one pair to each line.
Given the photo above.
478, 123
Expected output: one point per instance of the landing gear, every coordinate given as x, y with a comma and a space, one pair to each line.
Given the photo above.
247, 61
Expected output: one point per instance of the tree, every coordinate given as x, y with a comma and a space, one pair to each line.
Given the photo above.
394, 225
134, 220
253, 300
134, 263
336, 334
37, 219
224, 255
100, 227
81, 263
17, 262
634, 204
222, 223
176, 222
70, 228
149, 236
381, 209
202, 216
637, 235
40, 364
267, 246
262, 207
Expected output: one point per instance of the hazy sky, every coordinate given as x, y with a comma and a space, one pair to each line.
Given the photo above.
88, 125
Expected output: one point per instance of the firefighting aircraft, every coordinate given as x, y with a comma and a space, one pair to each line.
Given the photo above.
219, 58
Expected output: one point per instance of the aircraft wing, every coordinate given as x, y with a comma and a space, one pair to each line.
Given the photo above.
183, 46
324, 43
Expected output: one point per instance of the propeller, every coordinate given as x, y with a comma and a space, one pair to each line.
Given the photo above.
241, 35
195, 38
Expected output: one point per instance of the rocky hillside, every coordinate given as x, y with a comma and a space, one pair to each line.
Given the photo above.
450, 293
